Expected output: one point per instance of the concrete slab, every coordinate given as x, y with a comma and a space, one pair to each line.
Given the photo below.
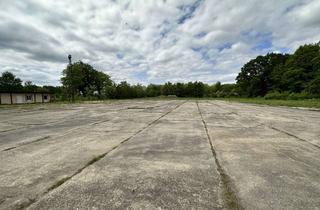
159, 154
269, 169
29, 168
166, 166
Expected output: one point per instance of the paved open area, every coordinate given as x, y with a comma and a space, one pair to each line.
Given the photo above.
159, 154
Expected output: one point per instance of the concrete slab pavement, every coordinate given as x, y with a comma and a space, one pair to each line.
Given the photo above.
160, 154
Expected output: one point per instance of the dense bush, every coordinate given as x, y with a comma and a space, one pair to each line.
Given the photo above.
290, 96
277, 95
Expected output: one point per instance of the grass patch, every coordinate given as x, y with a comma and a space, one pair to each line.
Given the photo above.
308, 103
58, 183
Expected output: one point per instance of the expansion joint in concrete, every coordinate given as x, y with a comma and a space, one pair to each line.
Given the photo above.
26, 143
95, 159
229, 195
294, 136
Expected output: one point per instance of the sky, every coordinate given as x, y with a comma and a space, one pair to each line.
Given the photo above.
150, 41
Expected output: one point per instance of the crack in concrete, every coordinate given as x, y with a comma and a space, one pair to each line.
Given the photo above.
238, 127
53, 137
229, 194
25, 126
294, 136
26, 143
9, 130
135, 107
65, 133
95, 159
277, 129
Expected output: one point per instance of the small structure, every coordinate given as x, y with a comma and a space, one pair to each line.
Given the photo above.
24, 97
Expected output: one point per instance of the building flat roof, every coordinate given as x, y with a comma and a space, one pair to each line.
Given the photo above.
24, 92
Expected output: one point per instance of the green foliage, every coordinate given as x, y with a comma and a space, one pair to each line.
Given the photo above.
30, 87
139, 91
196, 89
305, 57
314, 85
255, 78
219, 90
109, 91
168, 89
294, 80
124, 90
279, 74
300, 96
9, 82
153, 90
277, 95
290, 96
82, 79
190, 89
311, 103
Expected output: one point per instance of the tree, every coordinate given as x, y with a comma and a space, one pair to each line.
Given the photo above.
168, 89
314, 85
294, 80
101, 80
9, 82
180, 90
30, 87
109, 90
305, 57
198, 89
153, 90
255, 77
139, 91
123, 90
300, 70
72, 79
82, 79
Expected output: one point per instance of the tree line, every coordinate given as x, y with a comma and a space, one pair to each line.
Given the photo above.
11, 83
282, 75
275, 75
80, 80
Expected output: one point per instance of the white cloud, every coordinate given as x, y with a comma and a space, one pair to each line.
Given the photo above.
150, 41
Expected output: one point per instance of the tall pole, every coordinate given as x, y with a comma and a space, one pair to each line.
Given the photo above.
69, 57
71, 79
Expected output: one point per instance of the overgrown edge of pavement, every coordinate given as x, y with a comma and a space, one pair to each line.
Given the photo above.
229, 194
94, 160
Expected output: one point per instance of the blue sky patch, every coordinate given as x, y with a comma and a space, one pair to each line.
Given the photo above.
200, 35
264, 44
119, 55
188, 11
224, 46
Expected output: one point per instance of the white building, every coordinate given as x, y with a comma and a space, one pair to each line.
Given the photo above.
24, 97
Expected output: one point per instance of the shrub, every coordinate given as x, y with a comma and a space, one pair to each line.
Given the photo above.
301, 96
277, 95
290, 96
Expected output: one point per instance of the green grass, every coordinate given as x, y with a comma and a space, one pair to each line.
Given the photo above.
308, 103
